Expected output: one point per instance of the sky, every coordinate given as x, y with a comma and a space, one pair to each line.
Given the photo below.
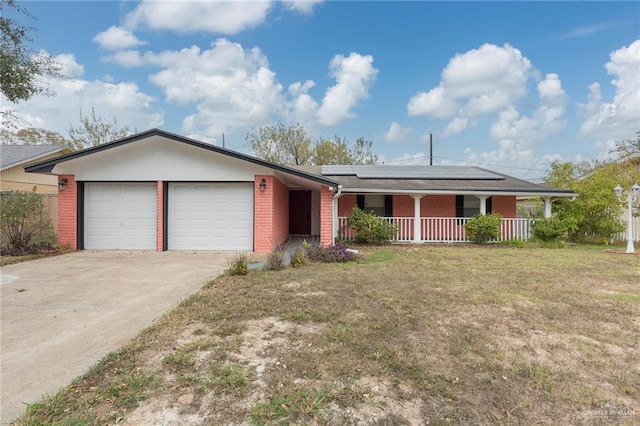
509, 86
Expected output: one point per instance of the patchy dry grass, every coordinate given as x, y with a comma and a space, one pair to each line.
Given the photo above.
6, 260
409, 335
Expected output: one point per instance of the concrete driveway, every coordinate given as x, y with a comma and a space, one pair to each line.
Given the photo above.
61, 315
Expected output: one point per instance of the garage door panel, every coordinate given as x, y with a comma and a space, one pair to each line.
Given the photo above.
211, 216
120, 216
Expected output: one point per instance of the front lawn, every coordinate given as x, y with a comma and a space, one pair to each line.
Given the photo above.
408, 335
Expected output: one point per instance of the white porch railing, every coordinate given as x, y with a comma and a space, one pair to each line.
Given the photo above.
443, 229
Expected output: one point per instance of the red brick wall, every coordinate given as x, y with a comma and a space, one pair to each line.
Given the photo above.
271, 214
160, 224
280, 230
326, 220
504, 204
438, 206
346, 203
68, 213
403, 206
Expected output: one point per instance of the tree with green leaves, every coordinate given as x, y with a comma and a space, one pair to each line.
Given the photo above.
93, 131
24, 223
21, 69
32, 136
291, 145
281, 144
595, 213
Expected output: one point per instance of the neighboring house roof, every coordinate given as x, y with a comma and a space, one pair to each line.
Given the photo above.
15, 155
47, 166
431, 180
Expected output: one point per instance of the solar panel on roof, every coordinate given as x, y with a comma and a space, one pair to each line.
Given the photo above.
411, 172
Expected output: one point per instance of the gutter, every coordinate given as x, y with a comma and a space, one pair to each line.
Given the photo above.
337, 194
461, 192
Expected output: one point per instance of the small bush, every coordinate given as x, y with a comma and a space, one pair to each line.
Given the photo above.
517, 243
300, 257
483, 228
238, 264
370, 228
274, 260
336, 253
25, 226
548, 229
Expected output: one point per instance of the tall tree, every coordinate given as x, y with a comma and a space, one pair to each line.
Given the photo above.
334, 151
93, 131
281, 144
363, 152
32, 136
21, 68
291, 145
596, 210
627, 147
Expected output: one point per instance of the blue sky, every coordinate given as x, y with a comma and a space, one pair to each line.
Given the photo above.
510, 86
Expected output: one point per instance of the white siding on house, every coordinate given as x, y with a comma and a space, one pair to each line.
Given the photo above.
160, 159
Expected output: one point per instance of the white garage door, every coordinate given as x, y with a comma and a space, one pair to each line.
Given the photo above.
210, 216
120, 216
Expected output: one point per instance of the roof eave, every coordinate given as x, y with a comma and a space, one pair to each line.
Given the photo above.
518, 192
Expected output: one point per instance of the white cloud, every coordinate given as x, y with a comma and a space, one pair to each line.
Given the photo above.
217, 17
434, 102
545, 120
117, 38
70, 68
606, 122
301, 6
125, 58
124, 101
231, 86
234, 87
479, 82
354, 75
396, 133
457, 125
519, 135
303, 105
589, 30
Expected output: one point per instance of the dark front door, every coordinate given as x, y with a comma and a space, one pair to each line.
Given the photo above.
300, 212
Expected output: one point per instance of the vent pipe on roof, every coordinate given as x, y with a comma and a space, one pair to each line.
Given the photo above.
430, 148
223, 140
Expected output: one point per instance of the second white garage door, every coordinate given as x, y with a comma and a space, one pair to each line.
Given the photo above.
210, 216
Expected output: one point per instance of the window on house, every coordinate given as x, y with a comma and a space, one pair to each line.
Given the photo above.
469, 205
381, 205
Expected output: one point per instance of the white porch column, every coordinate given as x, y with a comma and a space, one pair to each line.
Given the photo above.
483, 203
547, 206
417, 226
334, 219
334, 213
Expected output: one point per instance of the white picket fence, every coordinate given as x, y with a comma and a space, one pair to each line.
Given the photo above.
622, 236
443, 229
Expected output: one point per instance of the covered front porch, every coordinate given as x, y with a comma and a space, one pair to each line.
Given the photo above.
435, 217
441, 229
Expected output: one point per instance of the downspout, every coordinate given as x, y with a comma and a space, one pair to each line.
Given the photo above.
334, 214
